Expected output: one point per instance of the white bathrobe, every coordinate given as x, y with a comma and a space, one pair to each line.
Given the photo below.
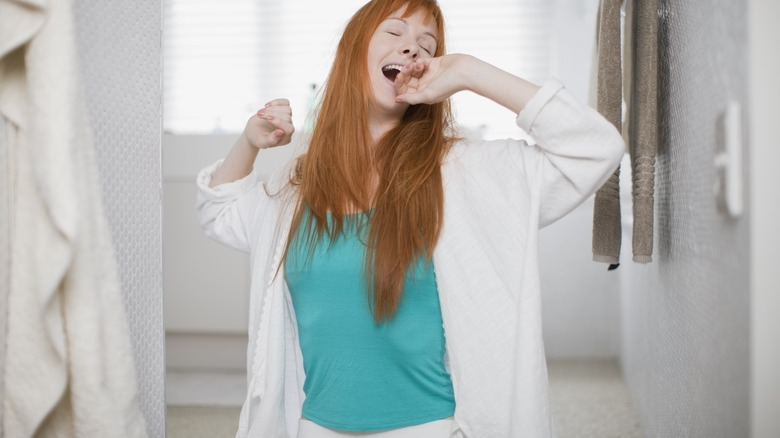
68, 368
497, 194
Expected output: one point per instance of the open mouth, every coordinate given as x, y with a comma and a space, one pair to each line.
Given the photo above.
391, 71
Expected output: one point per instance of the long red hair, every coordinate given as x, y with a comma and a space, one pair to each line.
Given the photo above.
334, 176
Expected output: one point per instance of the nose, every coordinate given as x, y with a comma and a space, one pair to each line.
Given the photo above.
413, 53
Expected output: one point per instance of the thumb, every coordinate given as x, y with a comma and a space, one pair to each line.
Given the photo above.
273, 138
276, 136
410, 98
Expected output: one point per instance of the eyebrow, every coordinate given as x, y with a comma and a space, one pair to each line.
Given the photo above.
405, 22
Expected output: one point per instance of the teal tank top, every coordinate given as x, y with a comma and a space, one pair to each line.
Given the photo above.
361, 375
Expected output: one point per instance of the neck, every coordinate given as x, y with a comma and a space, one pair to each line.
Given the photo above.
380, 128
380, 122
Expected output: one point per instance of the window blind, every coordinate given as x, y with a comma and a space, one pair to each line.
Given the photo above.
224, 60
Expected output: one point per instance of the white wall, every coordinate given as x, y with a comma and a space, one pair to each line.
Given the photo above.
206, 284
580, 297
764, 69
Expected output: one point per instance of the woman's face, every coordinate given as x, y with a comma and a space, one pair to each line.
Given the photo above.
395, 43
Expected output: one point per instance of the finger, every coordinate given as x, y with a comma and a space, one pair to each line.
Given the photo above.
406, 83
278, 102
418, 68
275, 138
283, 121
277, 120
410, 98
283, 125
276, 111
412, 70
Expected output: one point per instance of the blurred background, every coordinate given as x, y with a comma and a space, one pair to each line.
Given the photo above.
688, 342
223, 63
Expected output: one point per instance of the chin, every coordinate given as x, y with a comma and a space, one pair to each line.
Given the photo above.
385, 102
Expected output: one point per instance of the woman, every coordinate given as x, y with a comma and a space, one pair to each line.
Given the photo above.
395, 288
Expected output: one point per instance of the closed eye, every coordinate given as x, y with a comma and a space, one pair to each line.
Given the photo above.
428, 43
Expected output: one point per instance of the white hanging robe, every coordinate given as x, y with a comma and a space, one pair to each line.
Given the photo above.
68, 369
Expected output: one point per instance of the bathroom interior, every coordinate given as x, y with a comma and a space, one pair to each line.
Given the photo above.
682, 345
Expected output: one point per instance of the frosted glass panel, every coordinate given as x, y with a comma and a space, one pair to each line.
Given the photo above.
120, 50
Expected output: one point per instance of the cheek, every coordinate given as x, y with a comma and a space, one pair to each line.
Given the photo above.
375, 44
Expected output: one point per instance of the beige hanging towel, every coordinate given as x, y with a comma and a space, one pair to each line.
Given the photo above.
68, 369
635, 80
643, 122
609, 100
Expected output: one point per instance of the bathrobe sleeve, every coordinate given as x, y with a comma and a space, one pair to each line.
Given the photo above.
576, 150
226, 211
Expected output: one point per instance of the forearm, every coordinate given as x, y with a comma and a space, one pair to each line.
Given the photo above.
237, 164
270, 127
502, 87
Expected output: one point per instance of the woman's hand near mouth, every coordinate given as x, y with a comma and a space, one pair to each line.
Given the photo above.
434, 80
430, 80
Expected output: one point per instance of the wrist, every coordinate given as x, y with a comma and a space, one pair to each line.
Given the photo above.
500, 86
244, 143
469, 66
